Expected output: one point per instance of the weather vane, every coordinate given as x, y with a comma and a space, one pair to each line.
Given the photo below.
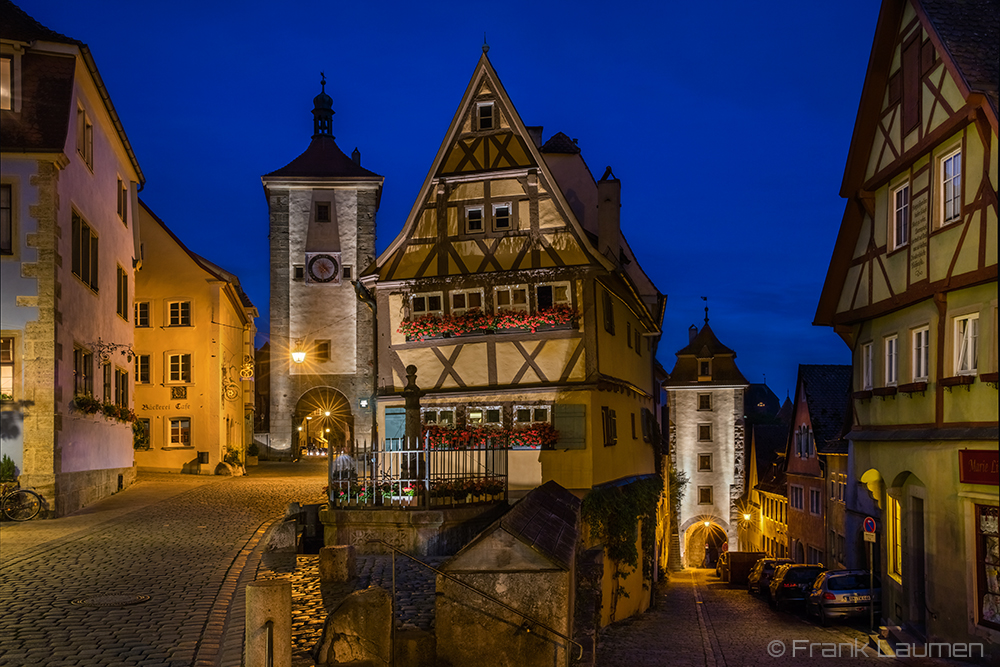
322, 82
705, 299
486, 47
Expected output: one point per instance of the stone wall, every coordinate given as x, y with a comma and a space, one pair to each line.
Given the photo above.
76, 490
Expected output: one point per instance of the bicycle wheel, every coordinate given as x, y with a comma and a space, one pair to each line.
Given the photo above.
22, 505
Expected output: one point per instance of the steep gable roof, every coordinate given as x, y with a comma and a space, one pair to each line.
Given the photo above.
705, 345
827, 393
768, 441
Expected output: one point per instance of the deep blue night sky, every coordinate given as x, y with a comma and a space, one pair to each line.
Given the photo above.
728, 124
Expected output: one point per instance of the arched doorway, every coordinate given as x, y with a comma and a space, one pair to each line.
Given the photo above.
704, 540
323, 423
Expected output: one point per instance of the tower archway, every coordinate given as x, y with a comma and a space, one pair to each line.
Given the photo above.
704, 539
323, 423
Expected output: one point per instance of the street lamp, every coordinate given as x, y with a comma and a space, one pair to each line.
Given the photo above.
298, 353
746, 517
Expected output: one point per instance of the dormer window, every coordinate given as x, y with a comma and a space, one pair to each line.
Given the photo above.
484, 115
704, 370
323, 211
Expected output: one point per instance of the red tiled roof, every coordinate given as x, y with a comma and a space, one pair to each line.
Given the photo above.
323, 159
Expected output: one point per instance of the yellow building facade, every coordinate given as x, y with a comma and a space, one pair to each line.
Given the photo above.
521, 311
193, 368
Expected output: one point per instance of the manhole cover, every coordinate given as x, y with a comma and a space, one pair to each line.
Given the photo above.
110, 600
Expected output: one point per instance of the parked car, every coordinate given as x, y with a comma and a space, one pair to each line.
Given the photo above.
792, 582
843, 594
722, 565
760, 575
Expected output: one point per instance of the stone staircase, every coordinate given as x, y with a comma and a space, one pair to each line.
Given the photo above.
893, 639
674, 563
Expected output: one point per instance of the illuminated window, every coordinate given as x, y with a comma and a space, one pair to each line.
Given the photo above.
484, 115
179, 313
426, 304
552, 294
179, 368
6, 83
891, 360
502, 220
85, 255
894, 551
7, 367
180, 432
967, 344
867, 362
142, 369
901, 216
462, 301
142, 314
6, 219
122, 294
473, 220
704, 463
511, 298
921, 353
704, 495
951, 187
85, 137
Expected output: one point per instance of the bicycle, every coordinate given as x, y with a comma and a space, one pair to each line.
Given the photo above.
20, 504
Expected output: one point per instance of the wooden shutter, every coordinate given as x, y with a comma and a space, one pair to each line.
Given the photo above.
570, 421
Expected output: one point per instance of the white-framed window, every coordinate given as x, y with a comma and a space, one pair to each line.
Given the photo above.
815, 502
141, 314
951, 187
966, 344
795, 497
511, 297
85, 137
462, 301
180, 432
891, 360
179, 368
83, 370
474, 220
121, 387
485, 119
548, 295
503, 217
532, 414
428, 303
438, 416
491, 415
921, 350
179, 313
900, 216
867, 365
142, 369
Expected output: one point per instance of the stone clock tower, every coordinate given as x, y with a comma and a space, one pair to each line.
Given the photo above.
322, 210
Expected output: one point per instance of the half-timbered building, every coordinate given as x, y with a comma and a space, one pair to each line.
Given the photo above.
514, 293
912, 289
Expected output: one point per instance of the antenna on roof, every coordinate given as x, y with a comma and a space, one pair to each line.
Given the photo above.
486, 47
705, 299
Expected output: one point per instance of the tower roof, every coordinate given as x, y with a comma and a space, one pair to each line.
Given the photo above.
323, 159
705, 347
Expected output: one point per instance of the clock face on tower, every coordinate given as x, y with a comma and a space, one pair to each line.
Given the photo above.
323, 268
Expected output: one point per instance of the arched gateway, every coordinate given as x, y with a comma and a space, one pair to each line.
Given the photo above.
323, 421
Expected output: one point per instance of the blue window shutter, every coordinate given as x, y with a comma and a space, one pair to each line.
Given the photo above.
570, 421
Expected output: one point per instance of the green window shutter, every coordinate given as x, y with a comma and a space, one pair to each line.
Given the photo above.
570, 421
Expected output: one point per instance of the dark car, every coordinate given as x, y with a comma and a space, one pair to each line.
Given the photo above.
792, 583
843, 594
760, 575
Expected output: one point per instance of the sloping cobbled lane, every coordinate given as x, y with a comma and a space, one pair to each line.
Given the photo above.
698, 621
179, 552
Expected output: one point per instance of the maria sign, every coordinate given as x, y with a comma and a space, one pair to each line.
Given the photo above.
979, 466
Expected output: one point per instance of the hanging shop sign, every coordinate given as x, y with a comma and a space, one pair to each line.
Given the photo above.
979, 466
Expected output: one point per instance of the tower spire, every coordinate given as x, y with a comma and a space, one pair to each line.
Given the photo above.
705, 299
323, 111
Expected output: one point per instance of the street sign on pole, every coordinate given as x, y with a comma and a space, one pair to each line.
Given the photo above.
870, 539
869, 524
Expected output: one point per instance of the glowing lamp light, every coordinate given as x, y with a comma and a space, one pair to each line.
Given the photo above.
707, 524
300, 428
327, 430
746, 517
327, 413
298, 356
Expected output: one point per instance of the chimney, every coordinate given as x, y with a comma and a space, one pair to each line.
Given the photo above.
609, 202
692, 332
535, 132
356, 156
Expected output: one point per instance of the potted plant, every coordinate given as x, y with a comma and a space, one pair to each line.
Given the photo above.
253, 451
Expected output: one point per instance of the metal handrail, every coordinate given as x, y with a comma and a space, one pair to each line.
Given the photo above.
458, 581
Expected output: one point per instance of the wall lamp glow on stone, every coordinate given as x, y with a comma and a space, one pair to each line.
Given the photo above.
298, 353
746, 517
327, 413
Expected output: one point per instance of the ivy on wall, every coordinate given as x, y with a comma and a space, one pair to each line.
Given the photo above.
613, 515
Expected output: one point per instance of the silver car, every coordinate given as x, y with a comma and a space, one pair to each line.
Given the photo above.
840, 594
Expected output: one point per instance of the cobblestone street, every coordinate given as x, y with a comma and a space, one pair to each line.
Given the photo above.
189, 543
700, 621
